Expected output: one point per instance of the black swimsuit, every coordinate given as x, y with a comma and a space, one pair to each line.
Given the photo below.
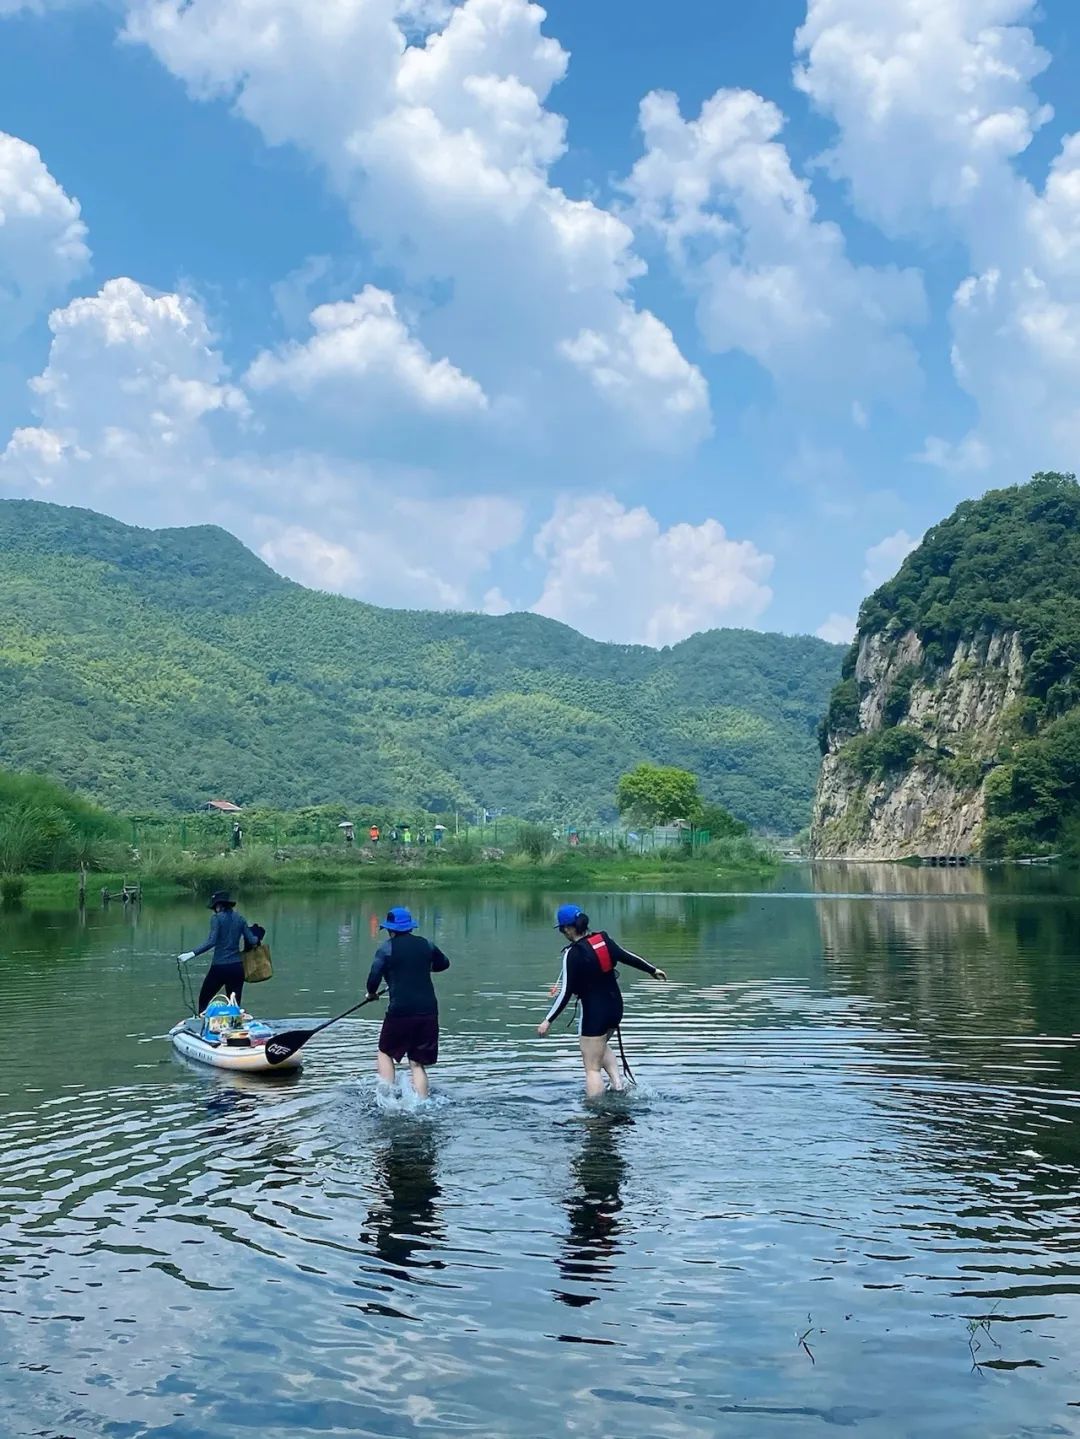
597, 989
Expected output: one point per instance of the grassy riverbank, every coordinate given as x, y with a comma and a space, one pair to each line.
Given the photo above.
174, 874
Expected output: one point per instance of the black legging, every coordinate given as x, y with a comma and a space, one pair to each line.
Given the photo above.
229, 977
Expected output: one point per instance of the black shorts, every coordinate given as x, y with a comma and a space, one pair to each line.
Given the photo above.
412, 1035
600, 1014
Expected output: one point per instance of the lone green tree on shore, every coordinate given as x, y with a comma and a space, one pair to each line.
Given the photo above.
657, 794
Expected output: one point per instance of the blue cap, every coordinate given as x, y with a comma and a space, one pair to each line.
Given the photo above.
566, 914
398, 921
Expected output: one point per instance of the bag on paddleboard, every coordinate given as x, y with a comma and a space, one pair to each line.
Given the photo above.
257, 964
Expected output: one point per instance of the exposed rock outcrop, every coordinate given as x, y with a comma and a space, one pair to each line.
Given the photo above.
875, 804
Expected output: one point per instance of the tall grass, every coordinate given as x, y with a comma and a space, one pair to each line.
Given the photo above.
12, 889
45, 827
242, 868
534, 841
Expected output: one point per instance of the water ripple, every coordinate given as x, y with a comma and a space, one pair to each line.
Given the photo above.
844, 1192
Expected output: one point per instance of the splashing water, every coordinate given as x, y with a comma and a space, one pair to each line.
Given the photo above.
854, 1134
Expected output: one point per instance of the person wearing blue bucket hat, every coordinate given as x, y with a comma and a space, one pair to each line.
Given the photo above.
588, 974
410, 1030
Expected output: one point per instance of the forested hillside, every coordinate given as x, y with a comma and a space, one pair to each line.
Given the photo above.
958, 713
156, 669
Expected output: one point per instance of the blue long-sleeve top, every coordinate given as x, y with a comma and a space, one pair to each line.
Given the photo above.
227, 929
407, 962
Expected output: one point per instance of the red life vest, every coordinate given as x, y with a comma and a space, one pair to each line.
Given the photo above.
599, 947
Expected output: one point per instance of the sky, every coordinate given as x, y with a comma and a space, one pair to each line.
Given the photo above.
647, 318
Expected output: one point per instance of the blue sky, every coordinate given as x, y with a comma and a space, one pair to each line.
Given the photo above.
649, 318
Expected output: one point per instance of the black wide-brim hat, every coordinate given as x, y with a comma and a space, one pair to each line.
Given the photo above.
221, 897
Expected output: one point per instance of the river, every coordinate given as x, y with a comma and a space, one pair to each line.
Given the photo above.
845, 1193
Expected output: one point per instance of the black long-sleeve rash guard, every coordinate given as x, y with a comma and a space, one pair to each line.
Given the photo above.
583, 978
407, 962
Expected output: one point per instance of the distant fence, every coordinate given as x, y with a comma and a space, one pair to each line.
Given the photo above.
202, 830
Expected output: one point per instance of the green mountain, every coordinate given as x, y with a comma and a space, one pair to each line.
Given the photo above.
154, 669
955, 727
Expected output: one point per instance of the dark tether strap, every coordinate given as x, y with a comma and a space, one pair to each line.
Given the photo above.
622, 1055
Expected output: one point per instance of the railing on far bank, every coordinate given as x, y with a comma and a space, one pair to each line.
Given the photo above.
216, 832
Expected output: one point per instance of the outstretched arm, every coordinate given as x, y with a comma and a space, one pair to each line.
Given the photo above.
635, 961
202, 949
439, 961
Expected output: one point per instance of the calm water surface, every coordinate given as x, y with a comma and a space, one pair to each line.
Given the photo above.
846, 1193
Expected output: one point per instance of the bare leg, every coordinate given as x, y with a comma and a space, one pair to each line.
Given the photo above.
592, 1057
419, 1079
610, 1066
386, 1067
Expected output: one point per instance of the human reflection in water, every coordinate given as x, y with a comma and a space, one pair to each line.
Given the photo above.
405, 1222
592, 1242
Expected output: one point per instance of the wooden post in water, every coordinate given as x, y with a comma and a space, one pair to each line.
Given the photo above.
82, 886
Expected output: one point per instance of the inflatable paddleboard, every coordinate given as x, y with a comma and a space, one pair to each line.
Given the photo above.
243, 1052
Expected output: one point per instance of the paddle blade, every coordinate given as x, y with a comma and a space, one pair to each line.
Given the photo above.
284, 1046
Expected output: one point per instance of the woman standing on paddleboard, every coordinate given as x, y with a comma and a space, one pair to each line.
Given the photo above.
227, 930
588, 974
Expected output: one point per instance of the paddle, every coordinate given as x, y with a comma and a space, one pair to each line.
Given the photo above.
284, 1046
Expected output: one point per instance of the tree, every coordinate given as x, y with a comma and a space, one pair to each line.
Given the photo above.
720, 823
658, 794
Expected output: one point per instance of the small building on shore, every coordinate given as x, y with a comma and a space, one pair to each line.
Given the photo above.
221, 806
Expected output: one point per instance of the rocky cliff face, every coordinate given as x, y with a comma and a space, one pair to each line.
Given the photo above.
911, 780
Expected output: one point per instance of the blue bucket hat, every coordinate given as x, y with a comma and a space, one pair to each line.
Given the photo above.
566, 914
398, 921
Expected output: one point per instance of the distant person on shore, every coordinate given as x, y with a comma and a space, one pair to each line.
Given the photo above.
406, 836
588, 975
373, 834
410, 1030
237, 834
227, 930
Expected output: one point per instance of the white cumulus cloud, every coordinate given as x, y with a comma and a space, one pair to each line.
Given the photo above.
42, 238
362, 353
771, 277
640, 370
496, 603
131, 377
419, 553
139, 417
837, 629
934, 101
616, 574
308, 557
442, 149
886, 557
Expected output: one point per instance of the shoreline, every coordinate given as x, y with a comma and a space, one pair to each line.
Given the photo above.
569, 872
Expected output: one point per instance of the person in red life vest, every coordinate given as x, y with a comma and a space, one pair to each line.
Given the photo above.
588, 975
